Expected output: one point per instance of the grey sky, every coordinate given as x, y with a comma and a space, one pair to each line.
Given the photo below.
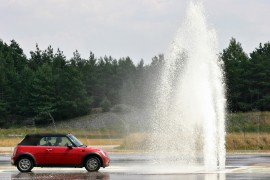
135, 28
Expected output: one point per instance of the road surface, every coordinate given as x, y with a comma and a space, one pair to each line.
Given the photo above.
140, 166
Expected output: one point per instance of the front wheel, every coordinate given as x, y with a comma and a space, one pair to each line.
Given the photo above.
25, 164
92, 164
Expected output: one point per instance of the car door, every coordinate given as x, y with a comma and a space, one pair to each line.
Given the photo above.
60, 154
43, 150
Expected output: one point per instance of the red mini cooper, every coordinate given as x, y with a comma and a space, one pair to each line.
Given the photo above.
57, 150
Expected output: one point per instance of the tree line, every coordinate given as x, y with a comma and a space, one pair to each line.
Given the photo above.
47, 84
247, 77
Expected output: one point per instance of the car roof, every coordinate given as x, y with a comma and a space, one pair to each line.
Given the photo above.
45, 134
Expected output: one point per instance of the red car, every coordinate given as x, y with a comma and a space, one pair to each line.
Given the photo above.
57, 150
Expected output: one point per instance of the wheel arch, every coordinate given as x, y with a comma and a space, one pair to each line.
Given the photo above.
85, 157
26, 155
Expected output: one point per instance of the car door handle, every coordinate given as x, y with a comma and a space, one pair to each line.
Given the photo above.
48, 149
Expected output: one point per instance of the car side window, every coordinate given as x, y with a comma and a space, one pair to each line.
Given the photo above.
45, 141
61, 141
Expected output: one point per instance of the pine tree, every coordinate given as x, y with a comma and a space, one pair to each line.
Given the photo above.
235, 63
259, 77
71, 96
42, 91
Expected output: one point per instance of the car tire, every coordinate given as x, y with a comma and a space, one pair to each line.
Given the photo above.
92, 164
25, 164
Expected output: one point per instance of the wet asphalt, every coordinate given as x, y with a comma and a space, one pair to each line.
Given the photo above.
137, 166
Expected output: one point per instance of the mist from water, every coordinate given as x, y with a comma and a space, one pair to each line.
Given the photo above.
188, 115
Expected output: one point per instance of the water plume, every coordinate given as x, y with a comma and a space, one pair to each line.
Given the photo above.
188, 115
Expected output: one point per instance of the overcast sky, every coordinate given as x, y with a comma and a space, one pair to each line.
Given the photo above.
140, 29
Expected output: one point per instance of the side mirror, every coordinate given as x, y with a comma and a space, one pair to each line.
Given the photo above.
69, 146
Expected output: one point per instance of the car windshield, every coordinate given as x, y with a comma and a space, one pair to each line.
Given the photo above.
76, 141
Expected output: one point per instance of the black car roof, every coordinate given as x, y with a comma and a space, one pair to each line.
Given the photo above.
45, 134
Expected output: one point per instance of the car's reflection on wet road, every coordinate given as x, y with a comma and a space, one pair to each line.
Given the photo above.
66, 176
106, 176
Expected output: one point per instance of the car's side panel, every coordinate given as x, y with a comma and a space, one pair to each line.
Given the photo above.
62, 155
38, 152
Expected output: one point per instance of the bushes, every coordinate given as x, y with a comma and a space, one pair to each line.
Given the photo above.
248, 141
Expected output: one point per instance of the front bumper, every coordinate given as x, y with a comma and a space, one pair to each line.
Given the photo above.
12, 162
106, 162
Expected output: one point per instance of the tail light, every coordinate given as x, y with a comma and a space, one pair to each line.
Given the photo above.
14, 151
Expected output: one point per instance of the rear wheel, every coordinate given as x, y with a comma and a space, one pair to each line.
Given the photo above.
25, 164
92, 164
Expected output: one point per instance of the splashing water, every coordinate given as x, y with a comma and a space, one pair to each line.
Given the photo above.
189, 111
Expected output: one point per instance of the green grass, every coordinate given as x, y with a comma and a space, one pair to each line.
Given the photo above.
248, 122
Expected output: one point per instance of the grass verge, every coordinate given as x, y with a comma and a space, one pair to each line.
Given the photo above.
11, 142
234, 141
137, 141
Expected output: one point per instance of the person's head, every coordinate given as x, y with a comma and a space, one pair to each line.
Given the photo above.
58, 140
